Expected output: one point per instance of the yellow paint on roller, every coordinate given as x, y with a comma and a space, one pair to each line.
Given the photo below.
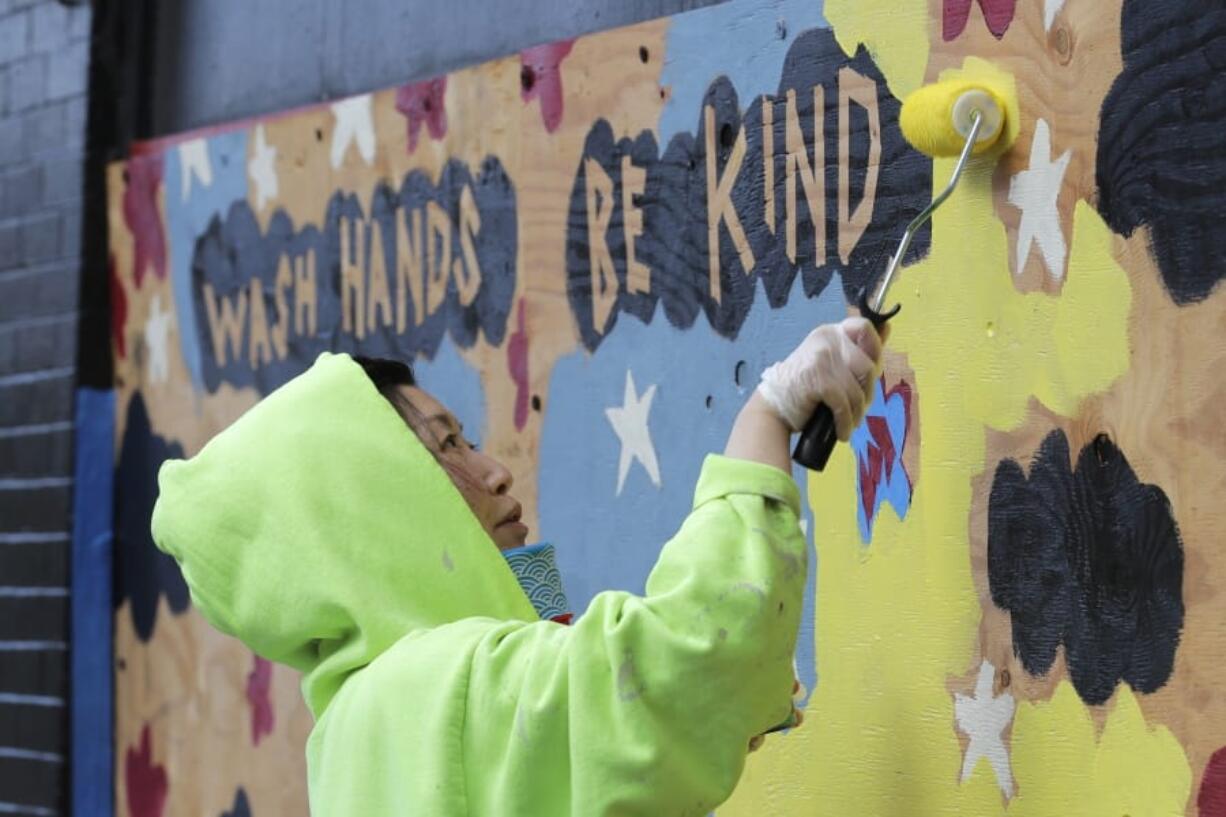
888, 29
897, 620
927, 116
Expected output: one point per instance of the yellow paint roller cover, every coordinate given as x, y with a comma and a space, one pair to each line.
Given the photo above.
930, 115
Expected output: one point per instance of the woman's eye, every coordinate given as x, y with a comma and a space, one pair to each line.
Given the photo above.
450, 441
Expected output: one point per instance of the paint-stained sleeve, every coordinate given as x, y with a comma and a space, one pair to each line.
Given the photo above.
647, 704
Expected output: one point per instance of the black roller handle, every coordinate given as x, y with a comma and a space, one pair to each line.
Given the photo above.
819, 435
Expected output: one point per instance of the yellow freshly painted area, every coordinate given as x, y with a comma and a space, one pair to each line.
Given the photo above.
893, 33
897, 621
1134, 769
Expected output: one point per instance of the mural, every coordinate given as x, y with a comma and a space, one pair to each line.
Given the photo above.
592, 249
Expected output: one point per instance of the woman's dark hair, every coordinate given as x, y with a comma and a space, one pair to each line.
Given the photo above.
388, 376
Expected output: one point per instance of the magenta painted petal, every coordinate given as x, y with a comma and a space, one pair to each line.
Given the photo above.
541, 75
423, 103
517, 363
998, 14
140, 212
954, 14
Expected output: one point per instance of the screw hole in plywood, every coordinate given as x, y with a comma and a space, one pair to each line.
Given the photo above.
726, 136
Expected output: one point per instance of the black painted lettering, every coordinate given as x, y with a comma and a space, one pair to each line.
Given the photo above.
438, 255
353, 276
697, 233
600, 204
259, 347
720, 207
409, 270
468, 274
768, 163
857, 88
378, 296
812, 176
634, 183
280, 330
226, 321
306, 300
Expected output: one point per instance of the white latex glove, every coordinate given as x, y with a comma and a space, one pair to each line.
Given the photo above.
836, 365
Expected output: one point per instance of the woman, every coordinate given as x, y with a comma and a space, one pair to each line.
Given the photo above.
359, 544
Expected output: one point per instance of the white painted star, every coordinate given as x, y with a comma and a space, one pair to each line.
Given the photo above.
354, 123
629, 422
1050, 9
263, 169
1034, 192
157, 327
983, 718
194, 161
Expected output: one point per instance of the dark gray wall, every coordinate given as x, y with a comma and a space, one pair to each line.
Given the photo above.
219, 60
44, 57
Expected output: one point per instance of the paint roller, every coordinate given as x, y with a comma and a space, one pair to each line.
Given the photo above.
951, 118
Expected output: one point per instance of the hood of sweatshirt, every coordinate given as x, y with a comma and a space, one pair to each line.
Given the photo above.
319, 530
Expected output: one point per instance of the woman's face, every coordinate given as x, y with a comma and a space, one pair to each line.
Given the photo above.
484, 482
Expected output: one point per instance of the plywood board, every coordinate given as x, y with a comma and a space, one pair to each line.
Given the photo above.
1020, 608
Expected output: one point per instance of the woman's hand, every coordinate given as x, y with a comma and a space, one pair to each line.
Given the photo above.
798, 717
836, 365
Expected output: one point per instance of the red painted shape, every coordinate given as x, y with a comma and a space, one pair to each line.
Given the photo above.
870, 476
880, 453
903, 390
541, 77
998, 14
259, 696
146, 782
140, 212
119, 309
565, 618
424, 103
1212, 798
879, 429
517, 363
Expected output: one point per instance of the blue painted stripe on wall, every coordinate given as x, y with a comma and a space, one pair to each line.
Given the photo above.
91, 705
747, 43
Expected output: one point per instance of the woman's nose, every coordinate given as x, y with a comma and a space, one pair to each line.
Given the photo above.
497, 478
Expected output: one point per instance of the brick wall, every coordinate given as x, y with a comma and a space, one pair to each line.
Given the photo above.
44, 58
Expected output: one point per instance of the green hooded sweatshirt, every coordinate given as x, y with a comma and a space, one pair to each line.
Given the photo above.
320, 531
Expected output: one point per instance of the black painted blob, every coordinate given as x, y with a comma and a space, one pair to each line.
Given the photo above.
411, 245
673, 241
241, 807
1090, 558
1162, 140
142, 572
